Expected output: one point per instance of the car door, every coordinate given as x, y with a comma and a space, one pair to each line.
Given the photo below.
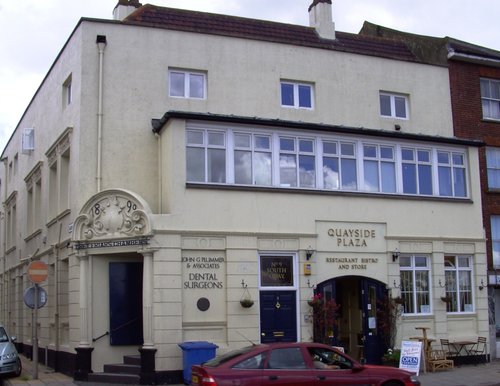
331, 368
287, 366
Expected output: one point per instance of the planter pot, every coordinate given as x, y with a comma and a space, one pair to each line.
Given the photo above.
246, 303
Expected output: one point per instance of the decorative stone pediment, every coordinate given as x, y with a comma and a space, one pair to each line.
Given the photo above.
113, 214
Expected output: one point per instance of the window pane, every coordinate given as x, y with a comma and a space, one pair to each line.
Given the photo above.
400, 104
195, 137
242, 140
370, 151
306, 145
347, 149
386, 152
425, 179
371, 176
443, 158
459, 182
409, 178
243, 167
288, 170
177, 84
262, 142
216, 165
458, 159
216, 139
262, 169
196, 86
195, 162
329, 147
287, 144
423, 156
307, 173
287, 94
385, 105
408, 154
420, 261
331, 173
444, 181
388, 177
349, 177
305, 99
485, 88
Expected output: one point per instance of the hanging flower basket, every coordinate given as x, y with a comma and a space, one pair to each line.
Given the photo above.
314, 303
246, 303
246, 299
399, 300
446, 299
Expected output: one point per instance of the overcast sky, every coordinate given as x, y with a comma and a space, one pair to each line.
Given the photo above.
32, 32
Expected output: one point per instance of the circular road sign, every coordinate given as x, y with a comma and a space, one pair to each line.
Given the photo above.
29, 297
38, 272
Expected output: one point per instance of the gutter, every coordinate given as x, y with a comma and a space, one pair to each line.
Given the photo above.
482, 60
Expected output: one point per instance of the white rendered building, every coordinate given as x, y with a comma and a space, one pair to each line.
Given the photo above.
174, 162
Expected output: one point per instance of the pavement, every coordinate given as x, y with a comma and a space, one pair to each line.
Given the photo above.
466, 375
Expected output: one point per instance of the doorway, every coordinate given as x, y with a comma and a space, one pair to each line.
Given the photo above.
278, 316
356, 328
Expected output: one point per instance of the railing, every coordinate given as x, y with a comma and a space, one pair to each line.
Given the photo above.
117, 328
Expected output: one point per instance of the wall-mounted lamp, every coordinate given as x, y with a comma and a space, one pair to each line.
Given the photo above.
309, 252
441, 284
310, 285
481, 286
395, 255
396, 286
243, 284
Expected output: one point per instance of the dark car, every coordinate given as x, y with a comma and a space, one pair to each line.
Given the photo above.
297, 364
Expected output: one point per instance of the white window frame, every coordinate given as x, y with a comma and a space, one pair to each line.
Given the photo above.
392, 98
354, 168
495, 240
296, 94
187, 74
413, 293
457, 270
489, 102
493, 167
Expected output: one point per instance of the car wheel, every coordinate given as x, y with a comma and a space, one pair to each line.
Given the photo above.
19, 368
393, 383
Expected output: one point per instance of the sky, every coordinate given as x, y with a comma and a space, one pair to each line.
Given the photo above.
32, 32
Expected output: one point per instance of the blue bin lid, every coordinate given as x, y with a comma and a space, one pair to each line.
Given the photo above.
197, 345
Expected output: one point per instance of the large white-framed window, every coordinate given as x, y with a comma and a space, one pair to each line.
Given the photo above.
490, 98
417, 171
451, 174
206, 156
393, 105
187, 84
415, 279
458, 279
34, 199
493, 167
306, 160
297, 95
379, 168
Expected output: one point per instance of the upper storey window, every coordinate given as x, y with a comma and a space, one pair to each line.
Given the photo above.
187, 84
307, 160
296, 95
490, 98
393, 105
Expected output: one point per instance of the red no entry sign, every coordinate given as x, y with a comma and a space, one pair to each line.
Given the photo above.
38, 272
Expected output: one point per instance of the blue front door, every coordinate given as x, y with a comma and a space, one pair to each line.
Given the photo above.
278, 316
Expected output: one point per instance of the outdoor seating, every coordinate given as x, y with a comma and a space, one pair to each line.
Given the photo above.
448, 348
437, 360
478, 351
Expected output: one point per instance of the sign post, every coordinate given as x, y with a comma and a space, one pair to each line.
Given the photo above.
37, 273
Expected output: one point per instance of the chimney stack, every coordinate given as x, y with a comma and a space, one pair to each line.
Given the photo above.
320, 17
125, 8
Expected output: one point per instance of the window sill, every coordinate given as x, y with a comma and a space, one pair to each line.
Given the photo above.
59, 217
490, 120
32, 235
273, 189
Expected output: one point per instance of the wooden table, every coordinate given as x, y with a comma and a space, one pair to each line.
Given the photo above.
464, 345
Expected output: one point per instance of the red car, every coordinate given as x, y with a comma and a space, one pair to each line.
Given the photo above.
297, 364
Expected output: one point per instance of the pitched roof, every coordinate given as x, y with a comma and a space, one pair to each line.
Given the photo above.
238, 27
429, 49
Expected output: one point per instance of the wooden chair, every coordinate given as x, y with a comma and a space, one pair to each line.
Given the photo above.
478, 351
448, 348
437, 360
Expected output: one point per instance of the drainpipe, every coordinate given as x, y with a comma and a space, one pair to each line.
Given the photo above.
101, 44
4, 245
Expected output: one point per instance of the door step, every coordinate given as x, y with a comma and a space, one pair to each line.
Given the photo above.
126, 373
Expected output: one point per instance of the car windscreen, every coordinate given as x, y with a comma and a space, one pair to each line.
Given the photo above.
3, 335
217, 361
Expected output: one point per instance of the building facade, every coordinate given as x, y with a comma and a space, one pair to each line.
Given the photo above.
198, 177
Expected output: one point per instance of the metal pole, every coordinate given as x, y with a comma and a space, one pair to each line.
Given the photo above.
35, 336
